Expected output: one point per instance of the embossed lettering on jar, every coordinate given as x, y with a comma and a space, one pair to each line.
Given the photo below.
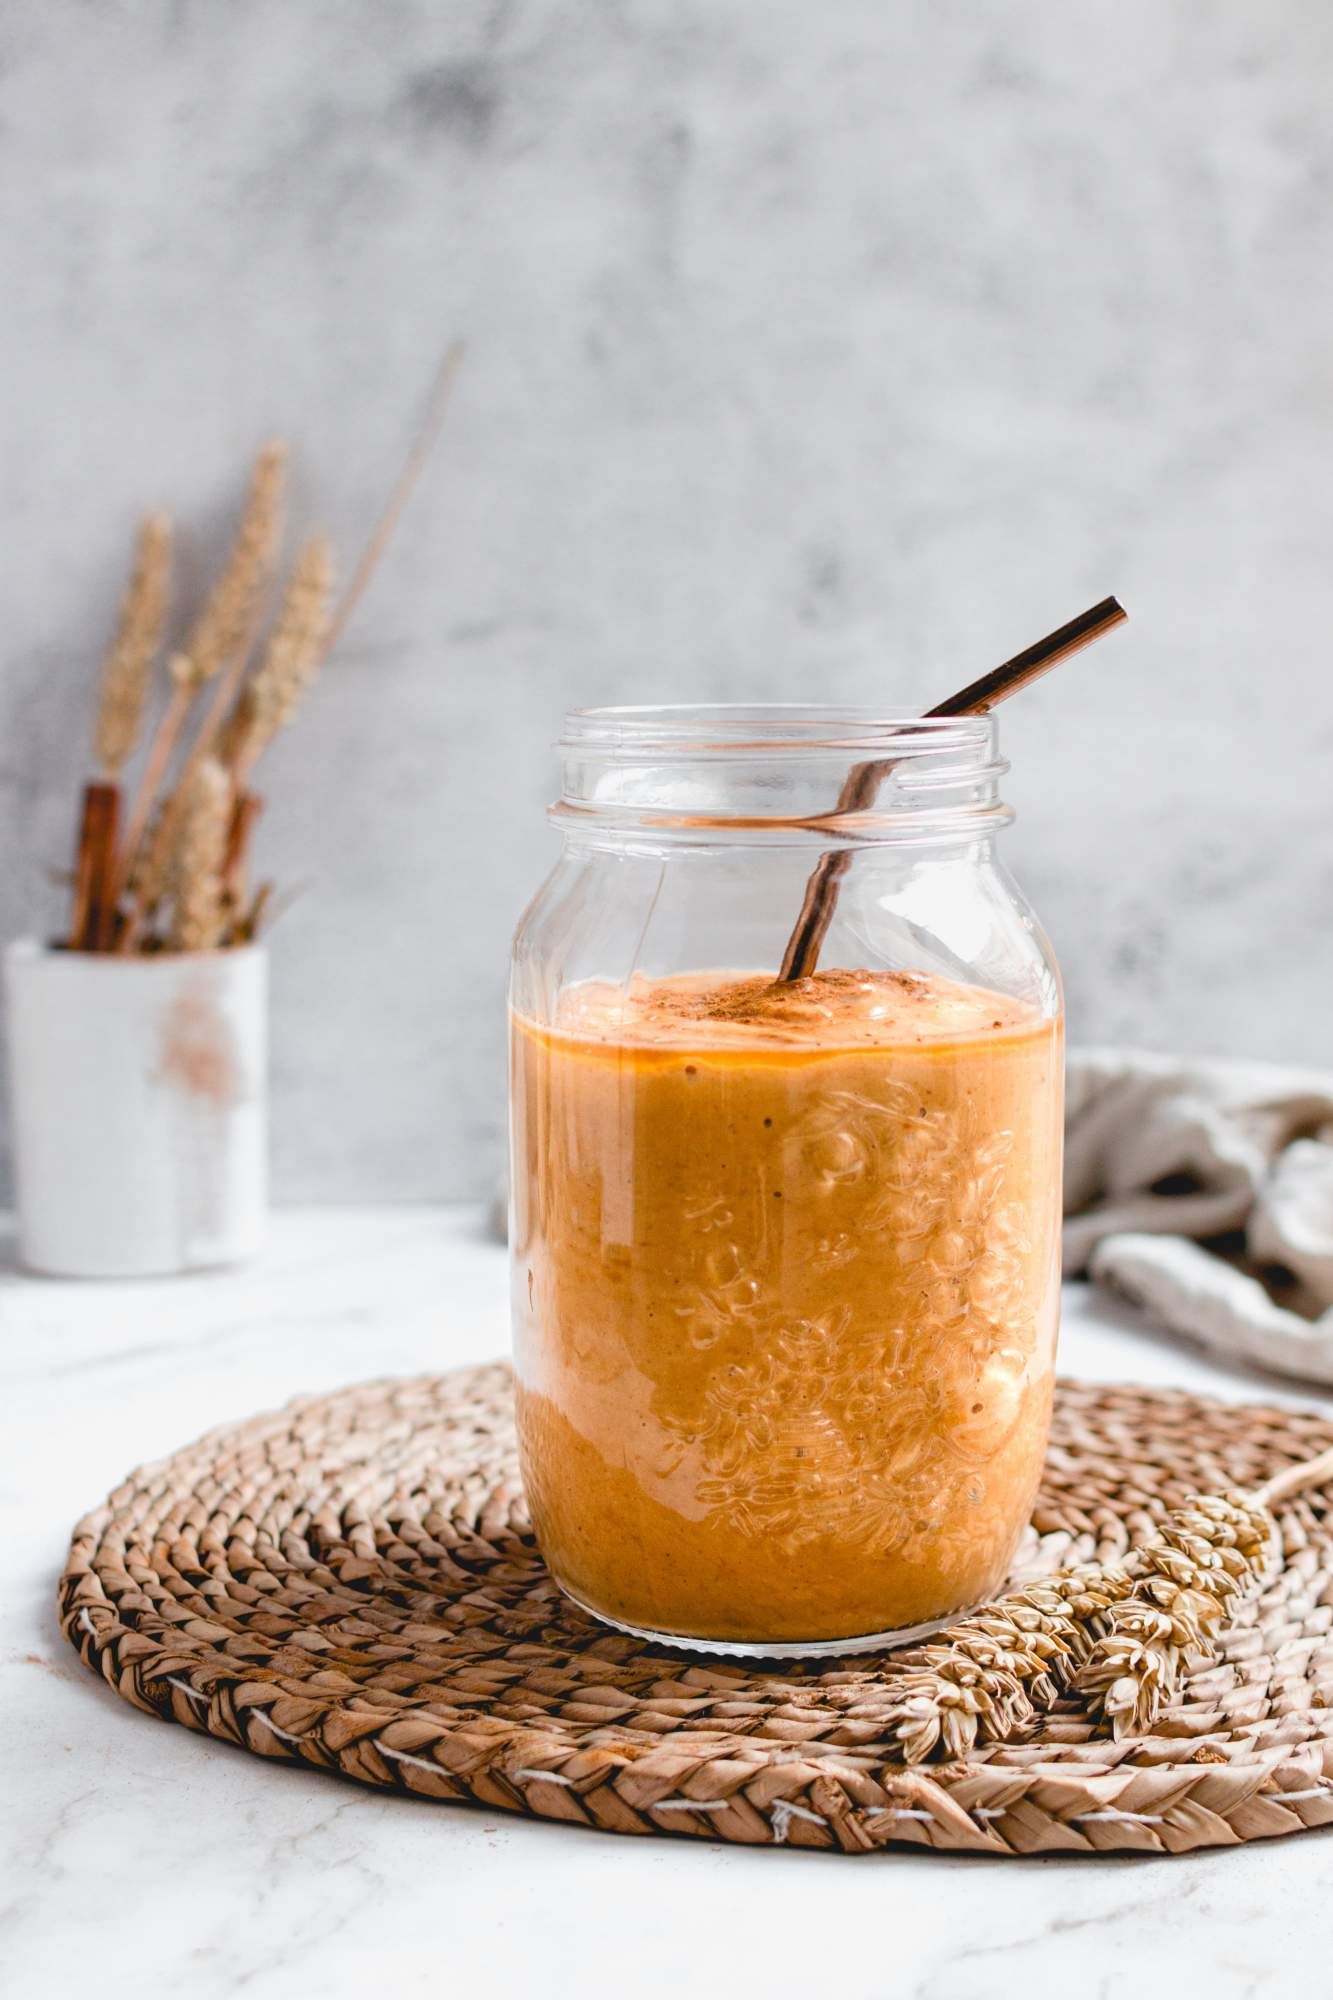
785, 1255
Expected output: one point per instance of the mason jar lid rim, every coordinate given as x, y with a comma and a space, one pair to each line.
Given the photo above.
731, 727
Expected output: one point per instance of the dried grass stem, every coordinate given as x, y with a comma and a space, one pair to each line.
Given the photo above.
138, 635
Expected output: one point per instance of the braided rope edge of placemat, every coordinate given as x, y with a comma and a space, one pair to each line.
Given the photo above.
541, 1727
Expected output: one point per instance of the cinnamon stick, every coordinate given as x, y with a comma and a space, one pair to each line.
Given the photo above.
236, 862
92, 926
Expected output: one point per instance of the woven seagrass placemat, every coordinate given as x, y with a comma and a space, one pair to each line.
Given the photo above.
352, 1583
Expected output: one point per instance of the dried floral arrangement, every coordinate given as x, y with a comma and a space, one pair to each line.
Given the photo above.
163, 862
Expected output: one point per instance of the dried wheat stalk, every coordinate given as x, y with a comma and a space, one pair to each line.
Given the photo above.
1121, 1636
1213, 1552
152, 859
291, 658
220, 637
268, 701
987, 1678
227, 619
437, 407
122, 887
200, 906
152, 874
138, 635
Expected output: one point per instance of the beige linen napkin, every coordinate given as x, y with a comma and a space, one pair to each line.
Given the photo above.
1203, 1191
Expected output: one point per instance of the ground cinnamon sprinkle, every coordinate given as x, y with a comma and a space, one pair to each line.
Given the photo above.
847, 1007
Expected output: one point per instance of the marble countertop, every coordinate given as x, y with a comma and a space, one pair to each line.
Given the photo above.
142, 1858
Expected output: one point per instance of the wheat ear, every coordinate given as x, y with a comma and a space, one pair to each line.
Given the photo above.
1213, 1553
220, 635
200, 907
152, 876
290, 660
226, 621
152, 859
986, 1679
125, 673
1121, 1637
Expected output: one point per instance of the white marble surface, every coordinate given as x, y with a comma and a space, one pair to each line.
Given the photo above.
845, 347
148, 1860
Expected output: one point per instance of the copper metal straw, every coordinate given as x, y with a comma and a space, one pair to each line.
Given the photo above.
863, 780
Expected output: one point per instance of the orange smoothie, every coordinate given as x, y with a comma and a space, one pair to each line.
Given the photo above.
786, 1269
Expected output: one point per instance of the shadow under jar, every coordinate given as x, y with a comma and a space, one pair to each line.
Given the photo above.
785, 1255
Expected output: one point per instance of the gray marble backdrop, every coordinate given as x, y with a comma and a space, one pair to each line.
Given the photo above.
841, 347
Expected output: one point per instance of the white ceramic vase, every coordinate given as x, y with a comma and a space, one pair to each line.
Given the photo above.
138, 1096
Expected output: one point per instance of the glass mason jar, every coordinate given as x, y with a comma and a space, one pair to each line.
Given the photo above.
785, 1252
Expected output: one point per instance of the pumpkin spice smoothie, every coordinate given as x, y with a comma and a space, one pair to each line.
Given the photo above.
786, 1285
